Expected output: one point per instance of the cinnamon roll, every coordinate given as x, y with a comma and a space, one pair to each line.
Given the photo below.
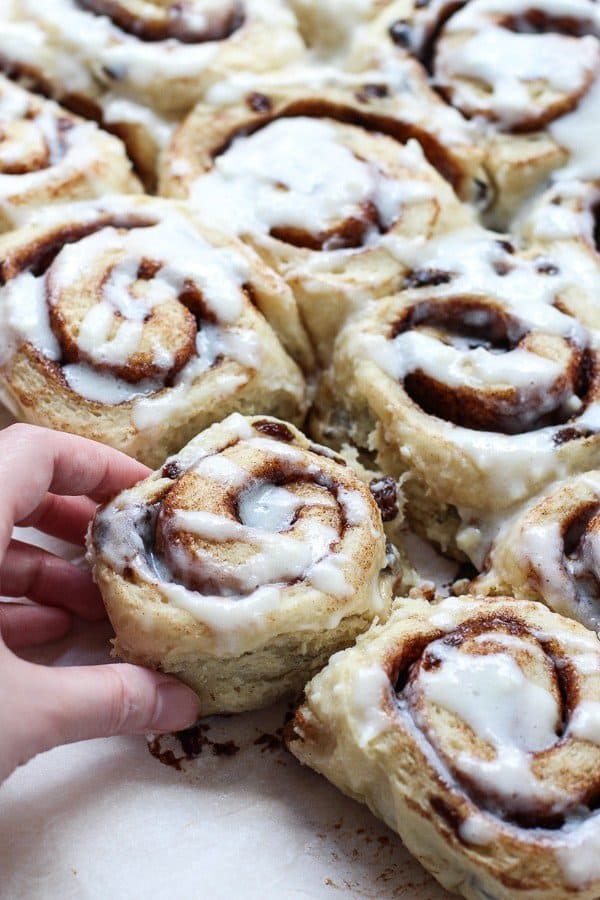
126, 321
481, 399
531, 71
315, 195
49, 156
242, 564
551, 552
159, 52
472, 729
519, 64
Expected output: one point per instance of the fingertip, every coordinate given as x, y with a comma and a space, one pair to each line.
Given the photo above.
177, 707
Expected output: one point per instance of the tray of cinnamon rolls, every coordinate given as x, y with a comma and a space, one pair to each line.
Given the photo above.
332, 271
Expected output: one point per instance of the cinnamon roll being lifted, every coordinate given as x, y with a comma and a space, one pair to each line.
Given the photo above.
315, 187
472, 728
551, 551
49, 156
243, 563
480, 399
126, 321
530, 70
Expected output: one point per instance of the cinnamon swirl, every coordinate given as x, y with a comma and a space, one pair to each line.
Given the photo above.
159, 52
530, 70
316, 196
481, 399
551, 552
49, 156
126, 321
472, 728
242, 564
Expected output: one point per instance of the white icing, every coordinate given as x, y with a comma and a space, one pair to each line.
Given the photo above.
585, 722
184, 257
24, 317
506, 464
447, 614
222, 470
280, 557
565, 212
504, 708
477, 368
370, 688
100, 387
269, 507
579, 133
477, 830
568, 585
508, 62
294, 173
587, 663
475, 257
117, 110
152, 412
579, 852
356, 511
228, 618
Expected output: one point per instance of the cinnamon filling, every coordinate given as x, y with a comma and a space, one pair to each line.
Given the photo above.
535, 20
468, 325
348, 235
37, 258
578, 539
180, 318
34, 155
477, 640
217, 564
172, 21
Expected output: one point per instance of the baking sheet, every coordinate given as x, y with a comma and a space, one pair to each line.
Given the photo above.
106, 818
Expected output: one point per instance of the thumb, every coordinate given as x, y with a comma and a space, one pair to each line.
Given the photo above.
79, 703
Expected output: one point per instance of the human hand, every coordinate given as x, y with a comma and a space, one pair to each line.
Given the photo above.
53, 481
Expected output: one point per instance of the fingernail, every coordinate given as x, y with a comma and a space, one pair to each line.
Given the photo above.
177, 707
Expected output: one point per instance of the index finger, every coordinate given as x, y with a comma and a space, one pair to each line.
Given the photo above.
35, 461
